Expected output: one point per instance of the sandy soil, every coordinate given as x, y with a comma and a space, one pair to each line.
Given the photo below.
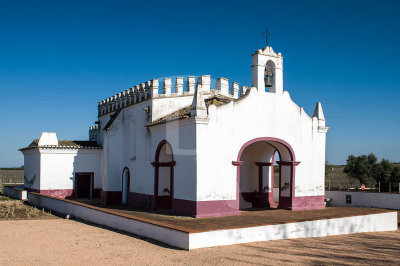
70, 242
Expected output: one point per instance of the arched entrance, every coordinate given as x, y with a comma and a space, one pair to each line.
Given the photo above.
164, 176
255, 173
125, 185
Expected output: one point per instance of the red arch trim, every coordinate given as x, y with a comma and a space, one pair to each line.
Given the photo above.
293, 163
158, 150
266, 139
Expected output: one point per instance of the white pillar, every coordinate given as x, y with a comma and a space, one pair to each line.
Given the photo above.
154, 87
179, 85
190, 84
222, 86
167, 86
205, 82
235, 90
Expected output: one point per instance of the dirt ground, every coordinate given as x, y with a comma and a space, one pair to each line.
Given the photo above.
71, 242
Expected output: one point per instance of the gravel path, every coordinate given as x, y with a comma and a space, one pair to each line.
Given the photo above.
69, 242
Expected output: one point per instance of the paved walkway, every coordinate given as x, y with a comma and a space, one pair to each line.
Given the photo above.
254, 217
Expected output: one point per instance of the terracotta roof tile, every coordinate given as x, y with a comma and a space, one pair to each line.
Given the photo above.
66, 144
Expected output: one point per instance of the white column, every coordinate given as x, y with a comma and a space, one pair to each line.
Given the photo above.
179, 85
167, 86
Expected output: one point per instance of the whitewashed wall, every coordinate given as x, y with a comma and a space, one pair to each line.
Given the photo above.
181, 135
126, 145
58, 167
260, 114
364, 199
32, 168
165, 105
130, 144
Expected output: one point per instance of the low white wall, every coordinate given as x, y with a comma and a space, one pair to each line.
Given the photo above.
15, 193
166, 235
317, 228
364, 199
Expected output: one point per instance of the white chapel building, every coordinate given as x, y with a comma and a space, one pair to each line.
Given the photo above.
198, 151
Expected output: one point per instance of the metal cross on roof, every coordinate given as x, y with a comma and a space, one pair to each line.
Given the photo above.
266, 35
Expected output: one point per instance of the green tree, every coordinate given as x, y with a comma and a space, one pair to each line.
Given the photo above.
381, 172
369, 171
395, 176
360, 167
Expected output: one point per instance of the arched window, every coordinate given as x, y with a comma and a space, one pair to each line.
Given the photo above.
125, 185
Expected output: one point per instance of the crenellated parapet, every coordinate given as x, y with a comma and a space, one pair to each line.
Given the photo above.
151, 90
93, 132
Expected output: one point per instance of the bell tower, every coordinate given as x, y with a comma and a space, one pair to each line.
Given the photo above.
267, 70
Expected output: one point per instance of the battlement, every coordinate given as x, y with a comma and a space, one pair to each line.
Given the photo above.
93, 132
151, 90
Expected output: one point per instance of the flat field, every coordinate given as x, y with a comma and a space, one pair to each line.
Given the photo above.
338, 179
12, 176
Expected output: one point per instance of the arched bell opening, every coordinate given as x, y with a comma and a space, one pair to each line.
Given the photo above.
256, 174
269, 76
164, 176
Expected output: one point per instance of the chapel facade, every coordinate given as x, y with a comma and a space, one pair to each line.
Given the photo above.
197, 147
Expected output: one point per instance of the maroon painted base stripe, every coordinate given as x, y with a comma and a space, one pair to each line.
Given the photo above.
308, 203
57, 193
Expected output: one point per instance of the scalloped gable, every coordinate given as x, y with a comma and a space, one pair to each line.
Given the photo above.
268, 51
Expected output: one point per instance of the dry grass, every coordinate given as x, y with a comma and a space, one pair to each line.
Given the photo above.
18, 210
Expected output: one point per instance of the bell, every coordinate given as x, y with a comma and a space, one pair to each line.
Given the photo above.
268, 81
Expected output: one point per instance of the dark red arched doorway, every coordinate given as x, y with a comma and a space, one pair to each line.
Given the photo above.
164, 176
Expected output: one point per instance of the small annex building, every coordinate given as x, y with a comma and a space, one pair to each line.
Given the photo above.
199, 151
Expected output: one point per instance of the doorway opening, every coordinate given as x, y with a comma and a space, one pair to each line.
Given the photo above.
164, 176
84, 183
256, 178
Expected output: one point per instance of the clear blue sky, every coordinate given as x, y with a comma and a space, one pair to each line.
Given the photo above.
59, 58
